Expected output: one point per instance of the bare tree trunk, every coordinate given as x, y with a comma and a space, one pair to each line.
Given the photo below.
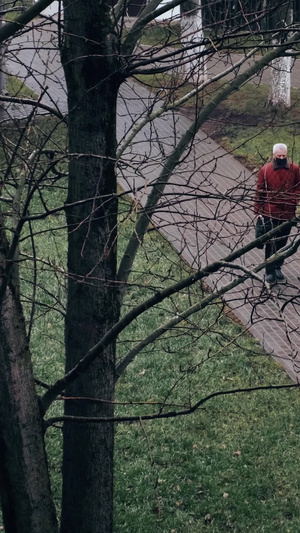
92, 301
2, 67
280, 86
192, 33
26, 499
2, 71
2, 60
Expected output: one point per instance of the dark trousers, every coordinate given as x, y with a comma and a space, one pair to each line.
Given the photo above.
276, 243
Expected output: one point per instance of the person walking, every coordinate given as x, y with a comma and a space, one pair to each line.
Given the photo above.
277, 193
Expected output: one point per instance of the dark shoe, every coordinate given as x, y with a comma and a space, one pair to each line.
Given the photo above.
279, 275
270, 278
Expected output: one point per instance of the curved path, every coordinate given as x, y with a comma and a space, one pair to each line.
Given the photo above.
193, 214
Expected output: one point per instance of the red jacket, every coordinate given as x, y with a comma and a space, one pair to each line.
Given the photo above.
277, 191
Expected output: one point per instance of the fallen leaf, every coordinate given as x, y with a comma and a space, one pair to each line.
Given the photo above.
207, 518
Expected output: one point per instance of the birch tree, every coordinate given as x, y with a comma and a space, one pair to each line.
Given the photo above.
192, 34
280, 86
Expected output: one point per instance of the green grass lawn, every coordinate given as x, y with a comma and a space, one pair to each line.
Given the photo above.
19, 89
229, 466
232, 466
248, 126
161, 35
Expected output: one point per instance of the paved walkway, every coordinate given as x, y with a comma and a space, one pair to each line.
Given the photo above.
193, 214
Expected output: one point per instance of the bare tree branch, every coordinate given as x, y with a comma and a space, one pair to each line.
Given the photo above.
94, 352
8, 29
169, 166
171, 414
34, 103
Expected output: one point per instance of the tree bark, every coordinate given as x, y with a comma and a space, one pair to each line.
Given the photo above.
26, 499
2, 60
89, 63
192, 33
280, 86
